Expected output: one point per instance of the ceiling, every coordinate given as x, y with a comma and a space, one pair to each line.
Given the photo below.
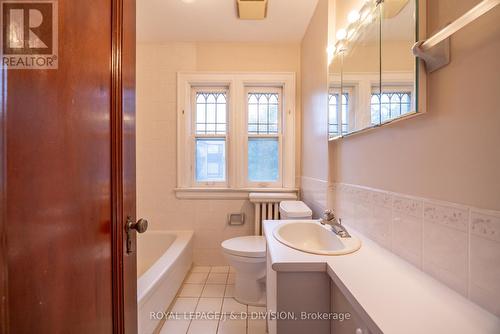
216, 21
399, 28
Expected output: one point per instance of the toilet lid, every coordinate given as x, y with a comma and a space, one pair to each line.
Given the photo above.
295, 209
250, 246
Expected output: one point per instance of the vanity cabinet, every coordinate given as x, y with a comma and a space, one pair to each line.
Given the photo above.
271, 299
340, 304
308, 294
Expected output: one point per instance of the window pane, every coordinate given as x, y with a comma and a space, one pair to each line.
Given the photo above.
333, 125
333, 114
263, 159
393, 104
210, 160
273, 113
211, 113
252, 114
385, 113
375, 109
263, 113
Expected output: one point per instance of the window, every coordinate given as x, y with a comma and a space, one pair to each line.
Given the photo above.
389, 105
210, 134
235, 132
336, 113
264, 136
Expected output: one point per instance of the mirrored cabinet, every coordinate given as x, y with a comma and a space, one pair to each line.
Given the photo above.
373, 75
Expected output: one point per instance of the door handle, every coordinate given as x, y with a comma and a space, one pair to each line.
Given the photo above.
140, 226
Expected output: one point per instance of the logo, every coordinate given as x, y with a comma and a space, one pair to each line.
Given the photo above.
29, 34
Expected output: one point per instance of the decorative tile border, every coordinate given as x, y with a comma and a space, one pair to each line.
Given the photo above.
456, 244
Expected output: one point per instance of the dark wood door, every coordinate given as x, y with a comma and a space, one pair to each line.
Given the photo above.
67, 179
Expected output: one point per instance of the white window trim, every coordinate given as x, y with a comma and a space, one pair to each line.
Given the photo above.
194, 135
279, 135
236, 169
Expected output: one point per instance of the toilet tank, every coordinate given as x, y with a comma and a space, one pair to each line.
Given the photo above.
294, 210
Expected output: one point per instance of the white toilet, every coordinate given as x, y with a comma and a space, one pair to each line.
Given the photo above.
248, 257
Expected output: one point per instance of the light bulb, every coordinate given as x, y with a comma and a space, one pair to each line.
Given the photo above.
353, 16
341, 34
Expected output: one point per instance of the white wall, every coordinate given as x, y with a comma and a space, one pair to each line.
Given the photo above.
450, 154
314, 179
157, 66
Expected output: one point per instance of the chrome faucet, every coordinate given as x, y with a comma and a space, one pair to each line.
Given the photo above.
337, 227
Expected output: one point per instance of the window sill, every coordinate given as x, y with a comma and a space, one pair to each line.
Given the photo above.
227, 193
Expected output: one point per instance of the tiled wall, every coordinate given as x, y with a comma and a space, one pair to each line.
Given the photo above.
157, 67
456, 244
314, 193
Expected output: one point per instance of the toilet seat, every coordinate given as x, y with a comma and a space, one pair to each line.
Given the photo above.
248, 246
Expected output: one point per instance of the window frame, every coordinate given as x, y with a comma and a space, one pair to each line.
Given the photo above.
340, 120
263, 184
237, 132
392, 88
209, 89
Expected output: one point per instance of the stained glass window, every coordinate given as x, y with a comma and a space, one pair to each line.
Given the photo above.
334, 114
389, 105
263, 136
211, 113
210, 142
263, 113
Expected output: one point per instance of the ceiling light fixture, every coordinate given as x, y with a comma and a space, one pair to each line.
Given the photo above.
252, 9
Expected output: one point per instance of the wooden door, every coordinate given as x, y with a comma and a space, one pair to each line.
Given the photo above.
67, 178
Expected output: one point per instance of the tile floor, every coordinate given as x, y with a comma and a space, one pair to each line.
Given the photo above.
210, 290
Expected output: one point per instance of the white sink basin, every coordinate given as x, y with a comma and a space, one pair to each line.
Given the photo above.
311, 237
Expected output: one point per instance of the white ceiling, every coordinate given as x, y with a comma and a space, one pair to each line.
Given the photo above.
216, 21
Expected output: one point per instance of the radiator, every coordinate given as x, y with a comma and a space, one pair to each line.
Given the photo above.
267, 207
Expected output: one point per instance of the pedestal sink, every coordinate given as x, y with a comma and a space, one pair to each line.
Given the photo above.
311, 237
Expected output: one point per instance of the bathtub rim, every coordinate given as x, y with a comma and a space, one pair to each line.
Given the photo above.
147, 282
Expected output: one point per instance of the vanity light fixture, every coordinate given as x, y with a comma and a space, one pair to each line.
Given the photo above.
350, 33
330, 51
355, 20
353, 16
341, 34
364, 14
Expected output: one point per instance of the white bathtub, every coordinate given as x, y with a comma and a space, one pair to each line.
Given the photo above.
163, 260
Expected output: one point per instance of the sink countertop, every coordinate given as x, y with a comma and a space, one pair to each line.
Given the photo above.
390, 294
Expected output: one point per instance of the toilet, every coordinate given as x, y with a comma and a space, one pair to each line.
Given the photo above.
294, 210
247, 255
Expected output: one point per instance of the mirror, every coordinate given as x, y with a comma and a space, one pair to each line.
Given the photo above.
398, 64
372, 71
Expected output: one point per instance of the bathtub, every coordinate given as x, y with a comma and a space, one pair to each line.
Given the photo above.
163, 260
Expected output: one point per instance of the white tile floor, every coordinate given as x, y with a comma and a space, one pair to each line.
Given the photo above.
210, 290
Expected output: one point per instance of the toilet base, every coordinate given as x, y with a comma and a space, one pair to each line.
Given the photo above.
250, 280
250, 292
